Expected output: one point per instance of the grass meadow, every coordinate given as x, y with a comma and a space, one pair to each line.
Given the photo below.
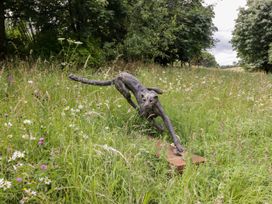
65, 142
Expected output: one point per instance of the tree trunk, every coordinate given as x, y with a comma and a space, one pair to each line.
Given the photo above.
2, 31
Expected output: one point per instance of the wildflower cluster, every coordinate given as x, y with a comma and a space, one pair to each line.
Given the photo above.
27, 122
70, 41
41, 141
8, 124
4, 184
28, 137
17, 155
45, 180
28, 194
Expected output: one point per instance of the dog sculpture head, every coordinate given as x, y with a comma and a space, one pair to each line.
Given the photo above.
148, 99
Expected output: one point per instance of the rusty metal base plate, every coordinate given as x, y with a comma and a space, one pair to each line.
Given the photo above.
174, 160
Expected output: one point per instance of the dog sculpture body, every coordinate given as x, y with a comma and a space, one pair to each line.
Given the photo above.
147, 99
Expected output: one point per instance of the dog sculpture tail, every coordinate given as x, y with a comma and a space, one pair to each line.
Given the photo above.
92, 82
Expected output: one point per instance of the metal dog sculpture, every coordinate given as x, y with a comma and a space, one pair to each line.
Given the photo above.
147, 99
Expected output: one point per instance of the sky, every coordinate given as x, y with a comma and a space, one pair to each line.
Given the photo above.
226, 11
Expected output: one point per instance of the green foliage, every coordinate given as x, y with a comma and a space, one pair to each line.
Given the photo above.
19, 39
165, 31
253, 35
92, 22
157, 30
45, 44
84, 126
195, 28
206, 59
76, 53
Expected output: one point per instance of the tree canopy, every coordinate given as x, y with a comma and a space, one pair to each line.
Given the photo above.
154, 30
252, 36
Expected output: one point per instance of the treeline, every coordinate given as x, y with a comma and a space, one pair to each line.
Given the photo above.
160, 31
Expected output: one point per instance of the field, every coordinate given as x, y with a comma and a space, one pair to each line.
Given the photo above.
65, 142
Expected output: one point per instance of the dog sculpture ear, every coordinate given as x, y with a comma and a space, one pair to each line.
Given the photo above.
157, 90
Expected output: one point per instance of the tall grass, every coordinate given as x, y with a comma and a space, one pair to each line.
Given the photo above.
96, 150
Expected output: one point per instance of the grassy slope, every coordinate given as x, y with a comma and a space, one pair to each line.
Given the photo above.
224, 116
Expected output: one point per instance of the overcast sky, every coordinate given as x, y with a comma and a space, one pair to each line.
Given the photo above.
226, 11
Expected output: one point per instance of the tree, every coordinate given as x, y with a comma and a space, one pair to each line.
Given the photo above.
2, 30
168, 30
194, 28
252, 35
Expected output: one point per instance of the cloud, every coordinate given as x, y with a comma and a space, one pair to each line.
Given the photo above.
223, 50
225, 57
223, 38
226, 12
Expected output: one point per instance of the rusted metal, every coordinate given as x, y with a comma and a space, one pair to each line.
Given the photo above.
175, 160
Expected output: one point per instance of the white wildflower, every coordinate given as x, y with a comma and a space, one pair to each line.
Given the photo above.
111, 149
30, 81
66, 108
16, 166
45, 180
74, 111
28, 137
4, 184
27, 122
16, 155
63, 64
85, 136
78, 43
23, 200
8, 124
80, 107
32, 138
61, 39
29, 192
8, 184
